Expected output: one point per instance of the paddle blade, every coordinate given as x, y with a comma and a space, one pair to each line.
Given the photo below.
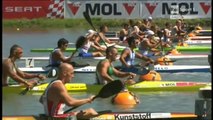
87, 17
110, 89
24, 92
107, 90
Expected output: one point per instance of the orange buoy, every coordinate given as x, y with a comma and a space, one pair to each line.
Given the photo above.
174, 52
191, 35
151, 76
125, 98
164, 61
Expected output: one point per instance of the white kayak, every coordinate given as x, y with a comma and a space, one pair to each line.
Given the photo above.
100, 58
158, 68
113, 44
200, 38
197, 42
197, 38
30, 61
186, 56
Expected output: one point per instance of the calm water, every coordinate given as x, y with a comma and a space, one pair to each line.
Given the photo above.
151, 101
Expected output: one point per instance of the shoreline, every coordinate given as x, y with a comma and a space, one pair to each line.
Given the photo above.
45, 23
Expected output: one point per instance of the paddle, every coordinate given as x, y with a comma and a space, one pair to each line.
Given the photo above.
87, 17
160, 35
140, 69
106, 91
137, 69
144, 69
24, 92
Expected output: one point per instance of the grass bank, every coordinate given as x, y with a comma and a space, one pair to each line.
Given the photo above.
76, 23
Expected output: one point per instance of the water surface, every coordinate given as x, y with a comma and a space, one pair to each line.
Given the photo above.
14, 104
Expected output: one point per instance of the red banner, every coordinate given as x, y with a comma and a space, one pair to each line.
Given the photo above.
33, 9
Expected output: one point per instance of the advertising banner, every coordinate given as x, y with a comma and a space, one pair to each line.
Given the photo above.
107, 9
103, 9
33, 9
176, 9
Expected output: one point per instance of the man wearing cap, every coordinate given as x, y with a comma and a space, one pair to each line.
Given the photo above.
148, 48
149, 24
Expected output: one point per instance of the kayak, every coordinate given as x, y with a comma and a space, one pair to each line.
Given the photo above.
194, 48
143, 115
197, 42
177, 56
158, 68
30, 61
200, 38
145, 86
112, 116
203, 33
197, 33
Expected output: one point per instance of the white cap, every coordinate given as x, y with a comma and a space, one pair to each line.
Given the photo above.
90, 32
149, 33
149, 18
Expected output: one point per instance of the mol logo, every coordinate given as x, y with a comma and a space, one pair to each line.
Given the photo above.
168, 84
74, 6
205, 6
179, 8
129, 7
151, 7
102, 9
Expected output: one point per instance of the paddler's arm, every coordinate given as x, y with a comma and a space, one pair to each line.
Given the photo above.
30, 75
151, 45
157, 44
124, 54
104, 38
62, 93
143, 57
15, 76
96, 41
59, 56
98, 48
123, 74
107, 40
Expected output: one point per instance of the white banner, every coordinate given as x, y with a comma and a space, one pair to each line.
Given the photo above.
132, 9
176, 9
